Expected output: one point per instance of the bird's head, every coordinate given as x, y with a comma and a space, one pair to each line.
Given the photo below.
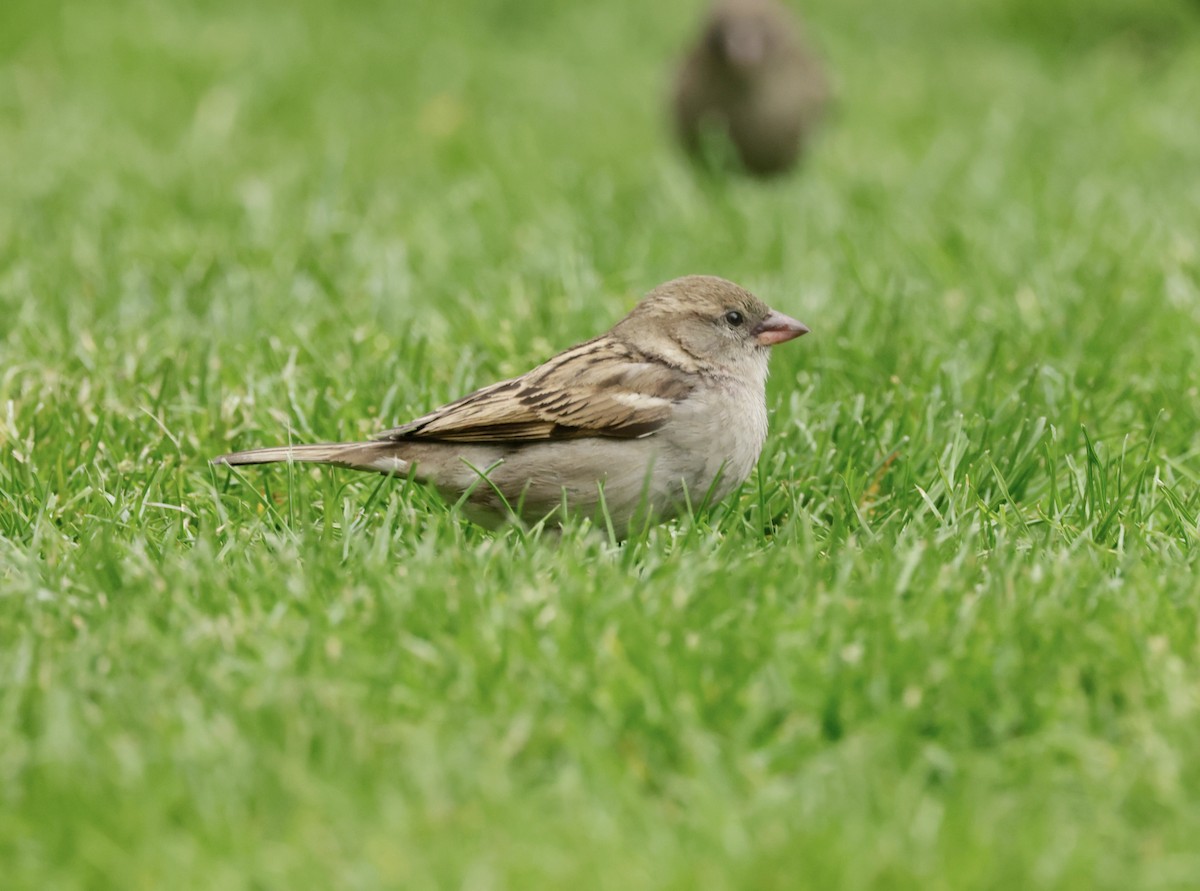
702, 322
743, 35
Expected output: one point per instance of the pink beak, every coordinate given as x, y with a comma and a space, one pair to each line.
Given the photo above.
777, 328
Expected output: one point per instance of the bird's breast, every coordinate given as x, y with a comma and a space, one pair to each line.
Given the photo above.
717, 435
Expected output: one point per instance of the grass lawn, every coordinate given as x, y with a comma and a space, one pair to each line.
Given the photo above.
947, 638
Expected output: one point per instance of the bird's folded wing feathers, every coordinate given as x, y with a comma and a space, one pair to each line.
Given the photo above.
599, 388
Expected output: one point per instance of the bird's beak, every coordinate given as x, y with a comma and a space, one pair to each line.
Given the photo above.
777, 328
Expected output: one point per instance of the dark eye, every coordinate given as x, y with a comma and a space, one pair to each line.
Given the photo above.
734, 318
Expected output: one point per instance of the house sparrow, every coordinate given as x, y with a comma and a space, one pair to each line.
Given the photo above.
664, 411
750, 78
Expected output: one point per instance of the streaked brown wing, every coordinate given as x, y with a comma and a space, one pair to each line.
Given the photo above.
599, 388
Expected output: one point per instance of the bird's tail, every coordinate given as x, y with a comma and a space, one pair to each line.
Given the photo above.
378, 456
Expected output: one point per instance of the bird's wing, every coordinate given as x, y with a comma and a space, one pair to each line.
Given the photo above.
599, 388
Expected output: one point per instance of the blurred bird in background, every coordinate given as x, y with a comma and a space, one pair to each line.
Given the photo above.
750, 84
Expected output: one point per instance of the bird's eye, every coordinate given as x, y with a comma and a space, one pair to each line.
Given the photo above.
734, 318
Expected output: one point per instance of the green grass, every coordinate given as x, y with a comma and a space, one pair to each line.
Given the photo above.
948, 637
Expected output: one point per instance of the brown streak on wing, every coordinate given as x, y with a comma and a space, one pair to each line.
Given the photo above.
599, 388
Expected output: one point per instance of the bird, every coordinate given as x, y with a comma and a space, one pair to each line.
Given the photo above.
749, 78
663, 413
